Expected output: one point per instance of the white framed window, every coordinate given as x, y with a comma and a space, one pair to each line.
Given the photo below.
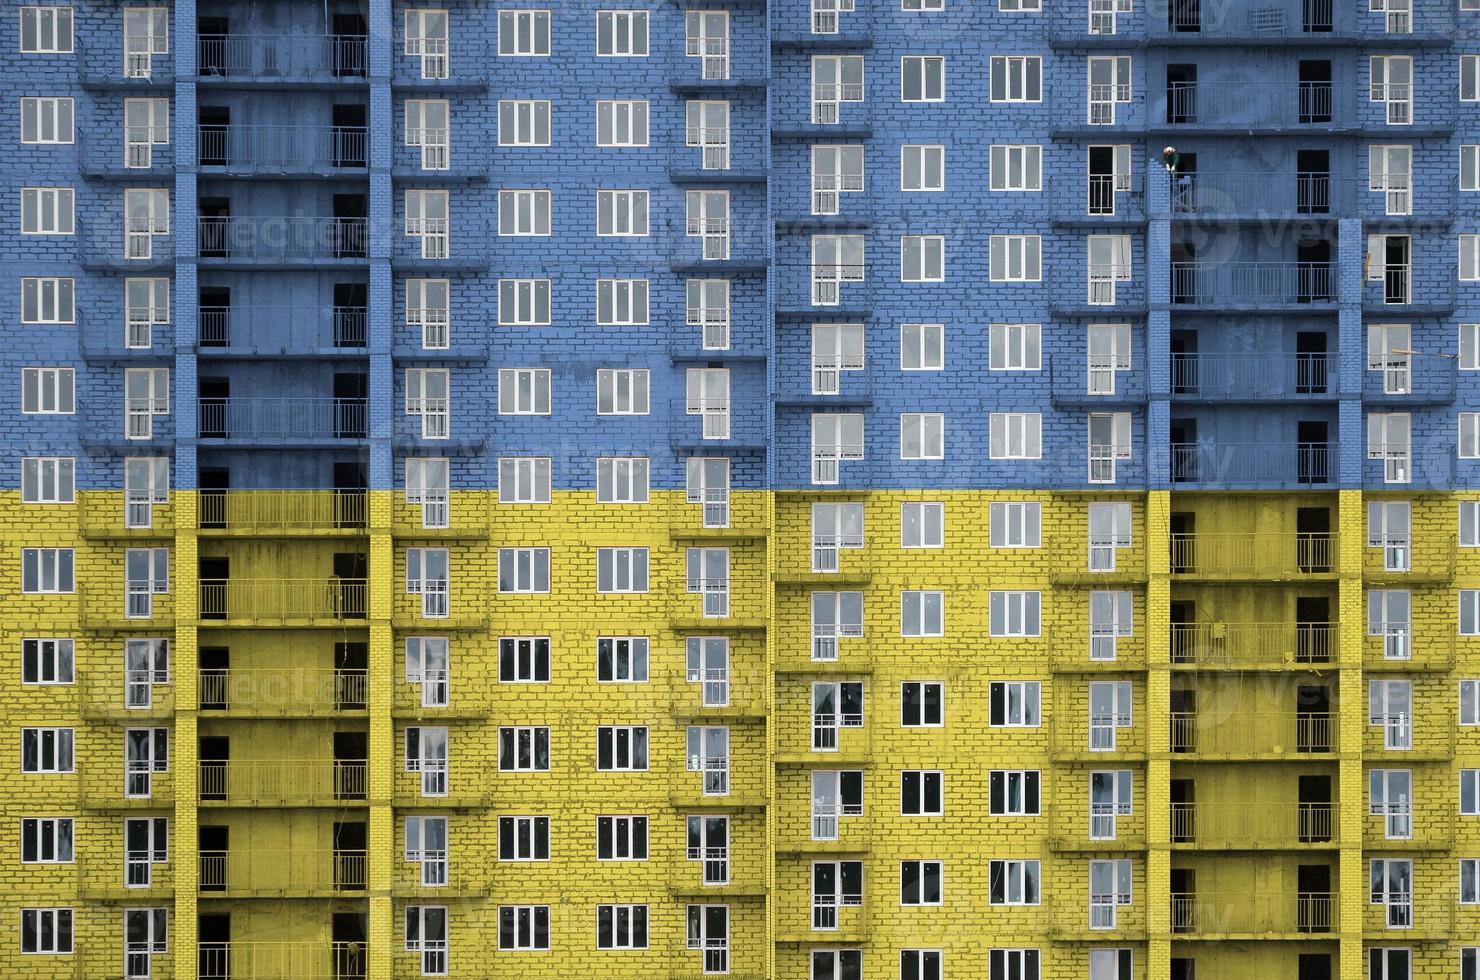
1469, 346
1469, 612
1469, 78
708, 929
146, 213
524, 391
1110, 618
426, 936
145, 752
1390, 707
1469, 167
1016, 258
707, 217
1015, 435
46, 30
621, 33
707, 395
1109, 441
836, 170
46, 211
46, 930
622, 838
707, 305
922, 525
1469, 702
146, 33
428, 575
622, 659
1389, 615
522, 302
429, 219
524, 838
920, 883
621, 927
524, 213
146, 393
1469, 435
707, 574
1012, 963
46, 840
1015, 347
621, 479
1107, 261
1110, 796
1014, 792
1390, 173
48, 479
1013, 882
426, 40
922, 704
922, 258
621, 570
47, 660
426, 846
524, 479
922, 347
146, 574
1390, 439
922, 6
621, 214
1390, 796
1388, 528
1469, 792
922, 78
839, 964
622, 123
524, 122
1015, 524
1109, 84
524, 33
708, 752
836, 259
707, 127
429, 397
1392, 887
836, 436
834, 615
427, 754
922, 435
834, 705
621, 748
622, 391
429, 308
921, 964
836, 79
524, 927
524, 749
146, 304
621, 302
922, 613
1015, 704
1469, 258
835, 794
922, 167
524, 569
146, 665
524, 659
1015, 613
48, 299
46, 571
146, 483
427, 125
921, 793
1109, 710
1025, 7
836, 348
1469, 881
1109, 888
1391, 82
145, 934
46, 120
1016, 167
46, 750
427, 666
1017, 78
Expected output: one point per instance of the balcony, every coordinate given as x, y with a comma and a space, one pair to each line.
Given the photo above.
282, 331
1409, 290
1097, 199
126, 694
281, 151
1424, 559
846, 25
1081, 380
729, 155
461, 243
108, 246
729, 63
281, 241
1253, 377
281, 873
1238, 645
281, 782
282, 512
1312, 23
282, 421
1231, 915
1423, 381
718, 694
104, 516
108, 608
1254, 825
1408, 467
282, 961
101, 64
1253, 285
1239, 107
1393, 647
828, 292
1257, 556
297, 693
294, 59
1237, 733
1106, 290
282, 602
1078, 651
122, 875
1254, 194
1268, 465
111, 157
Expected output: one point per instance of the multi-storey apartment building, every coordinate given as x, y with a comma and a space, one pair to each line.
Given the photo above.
802, 490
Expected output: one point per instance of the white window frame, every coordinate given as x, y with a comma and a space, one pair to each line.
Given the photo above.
622, 479
524, 479
931, 430
1021, 258
48, 300
1015, 524
1022, 703
524, 122
524, 391
922, 258
52, 571
622, 391
48, 480
47, 211
1021, 78
922, 524
1022, 881
47, 120
625, 747
46, 29
621, 571
524, 33
524, 213
527, 571
1016, 167
48, 660
922, 347
922, 613
623, 837
1015, 347
1022, 428
929, 164
625, 30
622, 302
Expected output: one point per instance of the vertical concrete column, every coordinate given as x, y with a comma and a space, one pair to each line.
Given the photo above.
1158, 736
185, 659
381, 750
1352, 880
1351, 344
1158, 325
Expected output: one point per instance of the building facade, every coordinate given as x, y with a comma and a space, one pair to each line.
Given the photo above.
799, 490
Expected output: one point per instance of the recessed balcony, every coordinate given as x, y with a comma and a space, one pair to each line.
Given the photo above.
238, 873
281, 241
1225, 915
1252, 734
283, 782
275, 422
297, 693
1252, 376
282, 961
283, 59
1245, 105
1222, 286
282, 331
1212, 645
1254, 824
281, 151
287, 513
1253, 556
283, 602
1253, 464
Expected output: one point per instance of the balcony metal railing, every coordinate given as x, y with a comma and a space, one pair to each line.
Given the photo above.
282, 57
282, 961
268, 329
1249, 104
307, 511
283, 599
262, 782
1238, 644
1267, 18
1254, 555
283, 692
281, 872
1253, 285
1231, 193
1241, 733
1252, 375
282, 148
1261, 824
1254, 463
1214, 913
273, 239
285, 419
